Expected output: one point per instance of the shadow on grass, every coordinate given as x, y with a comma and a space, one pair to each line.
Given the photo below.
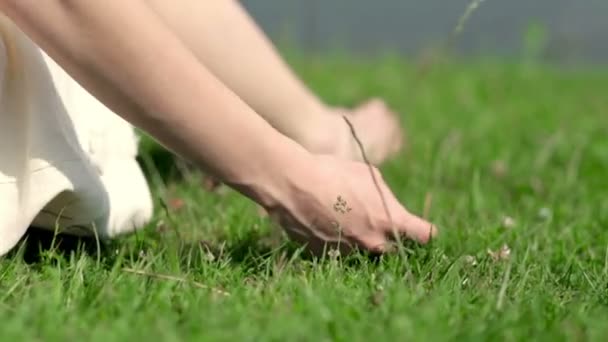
253, 252
251, 248
37, 243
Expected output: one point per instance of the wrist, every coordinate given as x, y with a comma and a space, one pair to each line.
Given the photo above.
274, 174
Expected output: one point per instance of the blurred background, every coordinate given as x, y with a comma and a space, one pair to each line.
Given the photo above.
559, 31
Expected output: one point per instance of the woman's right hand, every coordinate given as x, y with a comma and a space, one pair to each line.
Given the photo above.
336, 204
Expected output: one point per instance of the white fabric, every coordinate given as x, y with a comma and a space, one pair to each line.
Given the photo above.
66, 161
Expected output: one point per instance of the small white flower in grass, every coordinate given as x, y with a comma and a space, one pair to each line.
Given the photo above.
209, 256
502, 254
508, 222
469, 259
499, 169
545, 213
333, 254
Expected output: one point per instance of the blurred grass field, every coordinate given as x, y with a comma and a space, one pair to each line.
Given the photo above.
500, 155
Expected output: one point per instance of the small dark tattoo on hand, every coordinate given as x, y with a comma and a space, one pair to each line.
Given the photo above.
341, 206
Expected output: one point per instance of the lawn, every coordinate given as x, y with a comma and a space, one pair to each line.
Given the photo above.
509, 159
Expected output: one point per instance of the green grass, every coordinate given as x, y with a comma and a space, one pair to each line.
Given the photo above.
547, 127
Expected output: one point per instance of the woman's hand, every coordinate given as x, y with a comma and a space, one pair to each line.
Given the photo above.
335, 203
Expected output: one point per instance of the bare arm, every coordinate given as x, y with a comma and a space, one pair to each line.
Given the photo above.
123, 54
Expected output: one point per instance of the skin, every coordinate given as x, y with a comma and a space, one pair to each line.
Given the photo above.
126, 56
229, 43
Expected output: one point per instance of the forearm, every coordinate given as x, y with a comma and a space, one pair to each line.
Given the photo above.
122, 53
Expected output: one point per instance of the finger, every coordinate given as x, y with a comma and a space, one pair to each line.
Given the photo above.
408, 224
414, 227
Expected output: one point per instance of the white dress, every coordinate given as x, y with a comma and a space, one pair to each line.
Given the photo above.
67, 162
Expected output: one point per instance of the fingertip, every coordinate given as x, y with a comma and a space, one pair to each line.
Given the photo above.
431, 233
420, 229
